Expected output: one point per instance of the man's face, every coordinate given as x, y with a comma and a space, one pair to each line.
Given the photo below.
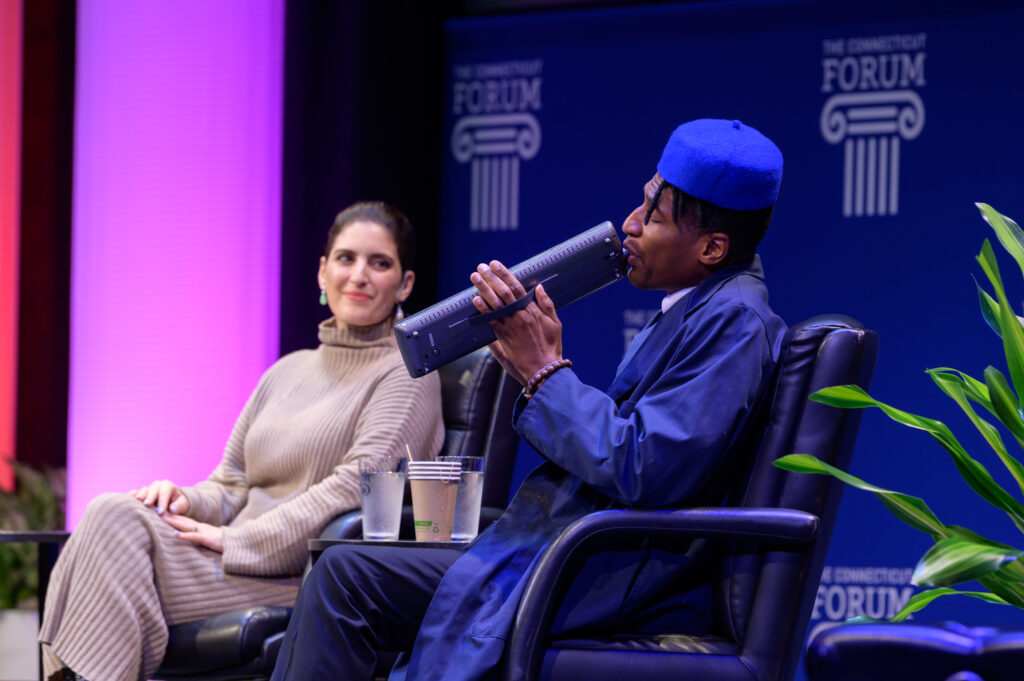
663, 254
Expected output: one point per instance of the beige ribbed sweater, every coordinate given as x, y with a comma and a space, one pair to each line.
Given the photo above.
290, 465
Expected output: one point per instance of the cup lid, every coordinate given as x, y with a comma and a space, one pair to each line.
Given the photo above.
444, 475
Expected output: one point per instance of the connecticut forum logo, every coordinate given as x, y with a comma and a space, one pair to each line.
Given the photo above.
874, 110
495, 131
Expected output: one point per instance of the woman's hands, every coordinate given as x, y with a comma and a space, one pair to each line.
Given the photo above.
528, 340
163, 495
172, 505
203, 534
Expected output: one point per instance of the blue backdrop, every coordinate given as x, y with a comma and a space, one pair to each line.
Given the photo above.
893, 121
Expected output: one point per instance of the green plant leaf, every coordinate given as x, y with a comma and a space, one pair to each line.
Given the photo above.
911, 510
989, 310
1011, 330
1007, 581
955, 560
953, 387
973, 472
923, 598
1004, 404
844, 396
972, 387
1009, 590
1008, 415
1007, 231
972, 536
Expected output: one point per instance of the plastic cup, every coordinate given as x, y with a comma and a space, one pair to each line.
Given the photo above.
382, 484
466, 523
435, 487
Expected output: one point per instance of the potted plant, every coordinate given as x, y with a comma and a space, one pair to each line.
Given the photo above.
37, 503
958, 554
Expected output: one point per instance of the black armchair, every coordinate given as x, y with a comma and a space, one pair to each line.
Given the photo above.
771, 540
477, 399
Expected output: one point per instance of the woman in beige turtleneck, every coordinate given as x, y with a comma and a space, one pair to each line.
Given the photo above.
163, 554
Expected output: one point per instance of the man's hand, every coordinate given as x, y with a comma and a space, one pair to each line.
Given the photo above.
164, 495
210, 536
528, 340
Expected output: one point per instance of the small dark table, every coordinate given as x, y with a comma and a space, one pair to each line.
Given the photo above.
318, 546
50, 543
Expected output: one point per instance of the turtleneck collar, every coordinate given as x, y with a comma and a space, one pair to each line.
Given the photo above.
333, 332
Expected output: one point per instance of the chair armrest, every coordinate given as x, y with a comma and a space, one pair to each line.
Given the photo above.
539, 601
348, 525
224, 640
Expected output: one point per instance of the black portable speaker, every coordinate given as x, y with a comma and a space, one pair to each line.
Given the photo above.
453, 328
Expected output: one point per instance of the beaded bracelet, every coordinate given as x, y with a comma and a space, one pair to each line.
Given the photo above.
538, 378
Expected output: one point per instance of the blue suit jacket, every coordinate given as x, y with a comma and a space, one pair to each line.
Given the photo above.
658, 437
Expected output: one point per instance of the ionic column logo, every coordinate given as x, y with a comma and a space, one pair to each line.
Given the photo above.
496, 129
871, 126
876, 111
494, 145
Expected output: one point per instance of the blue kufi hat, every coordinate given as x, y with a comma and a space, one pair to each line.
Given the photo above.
724, 162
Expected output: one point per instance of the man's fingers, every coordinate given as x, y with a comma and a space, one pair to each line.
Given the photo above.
496, 285
502, 292
508, 279
483, 286
545, 303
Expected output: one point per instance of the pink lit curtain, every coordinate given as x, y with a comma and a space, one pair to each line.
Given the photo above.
176, 234
10, 187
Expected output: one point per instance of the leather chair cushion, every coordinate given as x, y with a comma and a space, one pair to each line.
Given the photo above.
658, 643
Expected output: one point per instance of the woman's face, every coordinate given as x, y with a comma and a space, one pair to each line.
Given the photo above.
362, 276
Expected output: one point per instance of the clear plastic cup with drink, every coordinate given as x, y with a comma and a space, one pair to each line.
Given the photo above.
466, 523
382, 484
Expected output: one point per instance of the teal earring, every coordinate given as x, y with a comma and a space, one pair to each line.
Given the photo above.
323, 296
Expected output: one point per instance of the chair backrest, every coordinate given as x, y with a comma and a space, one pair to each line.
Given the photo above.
764, 597
477, 399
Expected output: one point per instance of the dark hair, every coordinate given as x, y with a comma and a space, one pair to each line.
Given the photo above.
388, 217
745, 228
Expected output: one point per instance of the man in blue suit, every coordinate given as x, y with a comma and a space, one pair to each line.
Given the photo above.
660, 436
